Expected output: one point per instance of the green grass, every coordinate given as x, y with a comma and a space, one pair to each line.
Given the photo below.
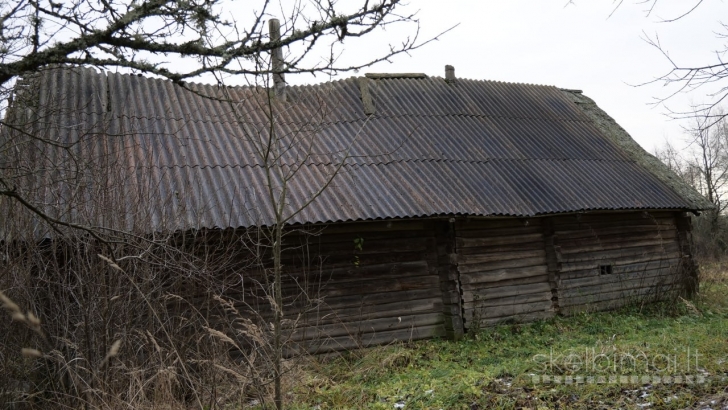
493, 368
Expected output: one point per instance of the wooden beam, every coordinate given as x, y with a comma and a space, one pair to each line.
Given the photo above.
447, 266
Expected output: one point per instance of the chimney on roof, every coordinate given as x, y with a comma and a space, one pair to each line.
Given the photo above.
277, 63
449, 73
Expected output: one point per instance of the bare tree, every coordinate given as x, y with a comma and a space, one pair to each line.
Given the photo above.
703, 164
183, 40
104, 328
710, 157
165, 292
685, 77
141, 35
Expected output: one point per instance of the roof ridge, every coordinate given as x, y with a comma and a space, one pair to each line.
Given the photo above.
485, 80
374, 76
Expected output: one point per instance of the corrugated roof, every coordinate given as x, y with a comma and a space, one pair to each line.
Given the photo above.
182, 160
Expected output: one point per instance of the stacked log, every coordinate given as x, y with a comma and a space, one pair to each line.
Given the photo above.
503, 272
609, 260
356, 285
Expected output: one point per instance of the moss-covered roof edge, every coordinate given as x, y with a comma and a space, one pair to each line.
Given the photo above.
615, 133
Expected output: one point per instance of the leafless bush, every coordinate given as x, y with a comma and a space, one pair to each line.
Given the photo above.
704, 166
190, 322
151, 323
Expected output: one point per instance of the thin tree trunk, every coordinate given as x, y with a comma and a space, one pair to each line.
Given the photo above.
278, 317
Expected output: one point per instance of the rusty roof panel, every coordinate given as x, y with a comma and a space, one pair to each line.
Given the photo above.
431, 148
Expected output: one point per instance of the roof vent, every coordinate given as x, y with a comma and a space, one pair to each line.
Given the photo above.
449, 73
366, 96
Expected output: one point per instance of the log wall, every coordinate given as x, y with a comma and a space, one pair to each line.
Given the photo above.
608, 260
361, 284
357, 285
502, 271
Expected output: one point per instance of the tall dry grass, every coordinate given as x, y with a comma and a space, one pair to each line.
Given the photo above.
185, 324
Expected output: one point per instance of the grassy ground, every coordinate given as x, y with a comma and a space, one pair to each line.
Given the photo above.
495, 368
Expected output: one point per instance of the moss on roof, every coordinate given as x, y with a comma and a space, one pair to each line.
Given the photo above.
610, 129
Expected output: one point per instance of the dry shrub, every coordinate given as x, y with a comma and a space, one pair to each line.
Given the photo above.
165, 324
713, 285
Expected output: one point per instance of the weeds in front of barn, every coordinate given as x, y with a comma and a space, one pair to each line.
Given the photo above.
504, 366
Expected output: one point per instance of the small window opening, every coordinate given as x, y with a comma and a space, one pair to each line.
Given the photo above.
605, 269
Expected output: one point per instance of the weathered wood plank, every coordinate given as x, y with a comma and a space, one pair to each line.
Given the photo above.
490, 276
367, 327
344, 260
500, 256
382, 297
329, 314
327, 237
313, 316
381, 301
616, 277
316, 287
383, 245
501, 240
393, 284
611, 217
494, 223
351, 299
609, 304
640, 282
620, 270
377, 226
499, 265
529, 317
625, 243
498, 232
470, 294
382, 271
343, 343
509, 300
611, 231
626, 251
509, 282
493, 312
621, 261
515, 247
650, 292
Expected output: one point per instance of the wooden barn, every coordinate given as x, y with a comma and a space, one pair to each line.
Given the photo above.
429, 206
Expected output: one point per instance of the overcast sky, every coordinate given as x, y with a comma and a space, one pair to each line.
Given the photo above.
577, 46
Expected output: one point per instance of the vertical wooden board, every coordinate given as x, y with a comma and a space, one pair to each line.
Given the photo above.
688, 269
449, 278
552, 261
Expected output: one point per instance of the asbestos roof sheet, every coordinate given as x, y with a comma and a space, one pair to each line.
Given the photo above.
164, 156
